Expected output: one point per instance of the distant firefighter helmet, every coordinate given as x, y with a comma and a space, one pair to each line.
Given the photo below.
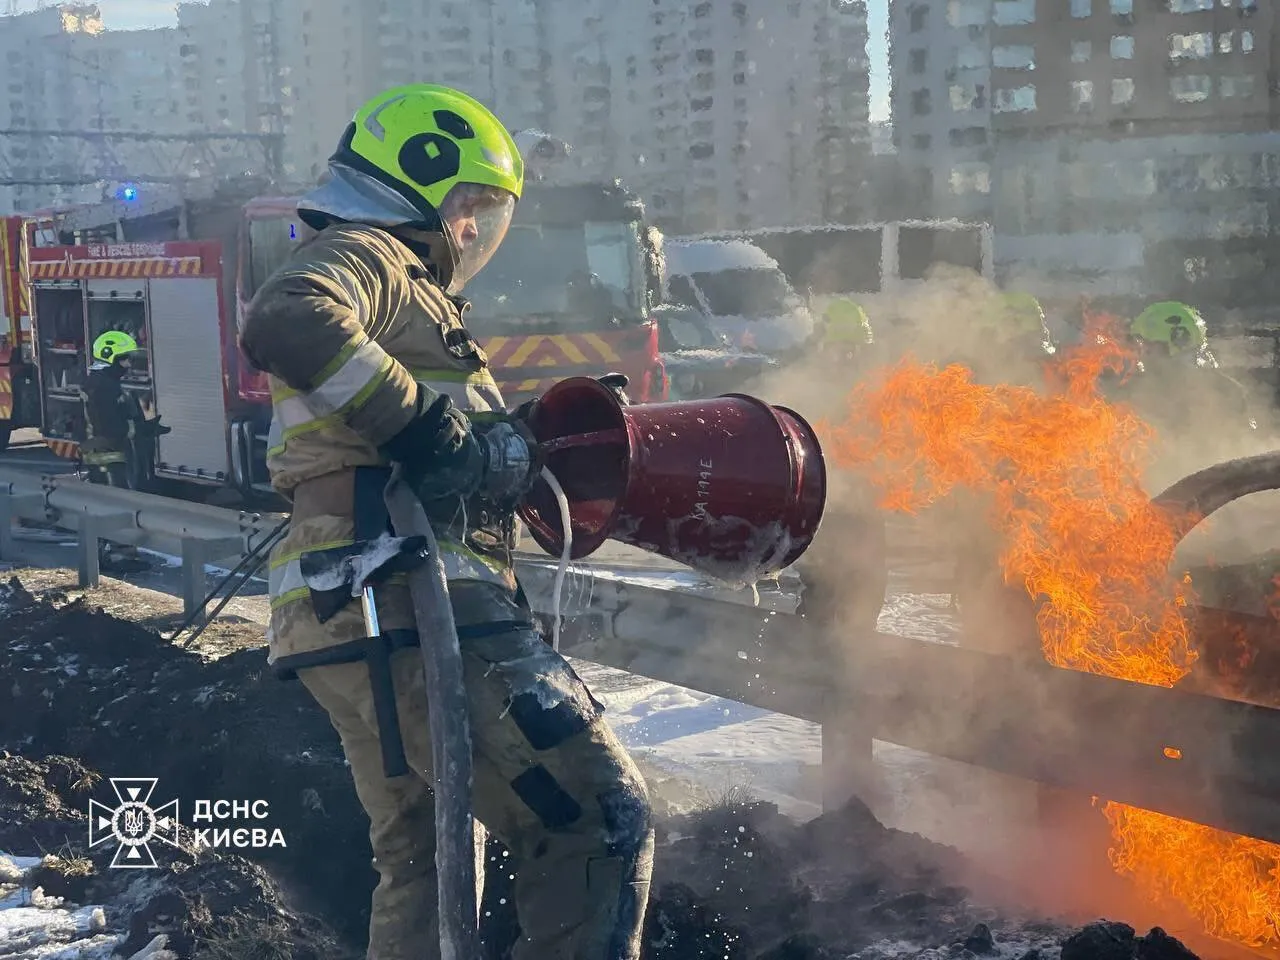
1175, 326
1018, 316
113, 345
847, 323
449, 156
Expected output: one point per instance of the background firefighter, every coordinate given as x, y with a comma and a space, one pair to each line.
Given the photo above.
362, 333
119, 447
119, 437
1175, 360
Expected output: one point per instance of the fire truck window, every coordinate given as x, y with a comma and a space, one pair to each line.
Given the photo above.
611, 252
529, 275
681, 291
271, 242
746, 293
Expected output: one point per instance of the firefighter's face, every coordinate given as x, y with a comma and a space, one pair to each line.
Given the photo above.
477, 218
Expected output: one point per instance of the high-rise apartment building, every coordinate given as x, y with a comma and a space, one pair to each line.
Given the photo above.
940, 65
735, 114
1122, 147
1136, 145
48, 83
757, 111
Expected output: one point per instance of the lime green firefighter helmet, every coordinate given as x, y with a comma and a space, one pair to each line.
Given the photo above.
112, 345
847, 323
1016, 316
1171, 324
446, 154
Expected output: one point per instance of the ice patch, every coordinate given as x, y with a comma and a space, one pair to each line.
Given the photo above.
38, 927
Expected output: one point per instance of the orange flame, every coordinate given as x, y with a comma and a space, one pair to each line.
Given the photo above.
1063, 474
1062, 471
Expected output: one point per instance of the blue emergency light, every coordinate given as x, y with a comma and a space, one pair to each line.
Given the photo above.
128, 193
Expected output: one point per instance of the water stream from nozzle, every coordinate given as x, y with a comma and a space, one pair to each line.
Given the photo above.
562, 567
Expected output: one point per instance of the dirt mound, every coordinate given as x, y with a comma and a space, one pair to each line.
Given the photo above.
125, 702
736, 882
201, 902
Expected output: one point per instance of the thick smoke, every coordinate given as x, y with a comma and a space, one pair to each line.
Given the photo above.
955, 546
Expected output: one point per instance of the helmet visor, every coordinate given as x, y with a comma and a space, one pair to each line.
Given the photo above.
477, 218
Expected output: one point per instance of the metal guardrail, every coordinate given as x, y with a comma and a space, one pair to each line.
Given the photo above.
197, 533
1185, 754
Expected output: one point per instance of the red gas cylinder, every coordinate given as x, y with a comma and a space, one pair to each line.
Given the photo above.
730, 486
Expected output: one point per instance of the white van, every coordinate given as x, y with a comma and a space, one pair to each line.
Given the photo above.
743, 297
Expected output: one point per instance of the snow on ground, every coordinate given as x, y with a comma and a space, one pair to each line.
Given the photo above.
36, 927
717, 744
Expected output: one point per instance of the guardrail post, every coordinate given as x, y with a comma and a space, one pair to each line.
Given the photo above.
92, 528
196, 553
848, 769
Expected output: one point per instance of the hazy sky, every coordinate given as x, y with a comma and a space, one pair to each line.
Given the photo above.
126, 14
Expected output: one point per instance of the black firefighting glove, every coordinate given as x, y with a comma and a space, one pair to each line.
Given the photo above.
443, 457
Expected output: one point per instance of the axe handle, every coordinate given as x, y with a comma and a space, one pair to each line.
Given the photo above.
451, 756
369, 607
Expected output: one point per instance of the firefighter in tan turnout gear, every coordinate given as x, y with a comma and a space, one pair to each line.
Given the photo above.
371, 364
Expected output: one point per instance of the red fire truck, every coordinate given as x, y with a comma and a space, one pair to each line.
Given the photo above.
19, 397
571, 291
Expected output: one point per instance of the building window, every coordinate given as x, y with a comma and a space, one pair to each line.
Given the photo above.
1224, 42
965, 96
1190, 46
921, 141
919, 60
1190, 88
1081, 95
921, 103
1189, 6
1014, 57
1121, 48
1122, 8
1236, 86
1015, 99
968, 137
1081, 51
1081, 9
1011, 13
917, 18
970, 178
1122, 90
970, 57
1246, 41
967, 13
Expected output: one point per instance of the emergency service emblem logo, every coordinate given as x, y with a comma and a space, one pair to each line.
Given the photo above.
133, 823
